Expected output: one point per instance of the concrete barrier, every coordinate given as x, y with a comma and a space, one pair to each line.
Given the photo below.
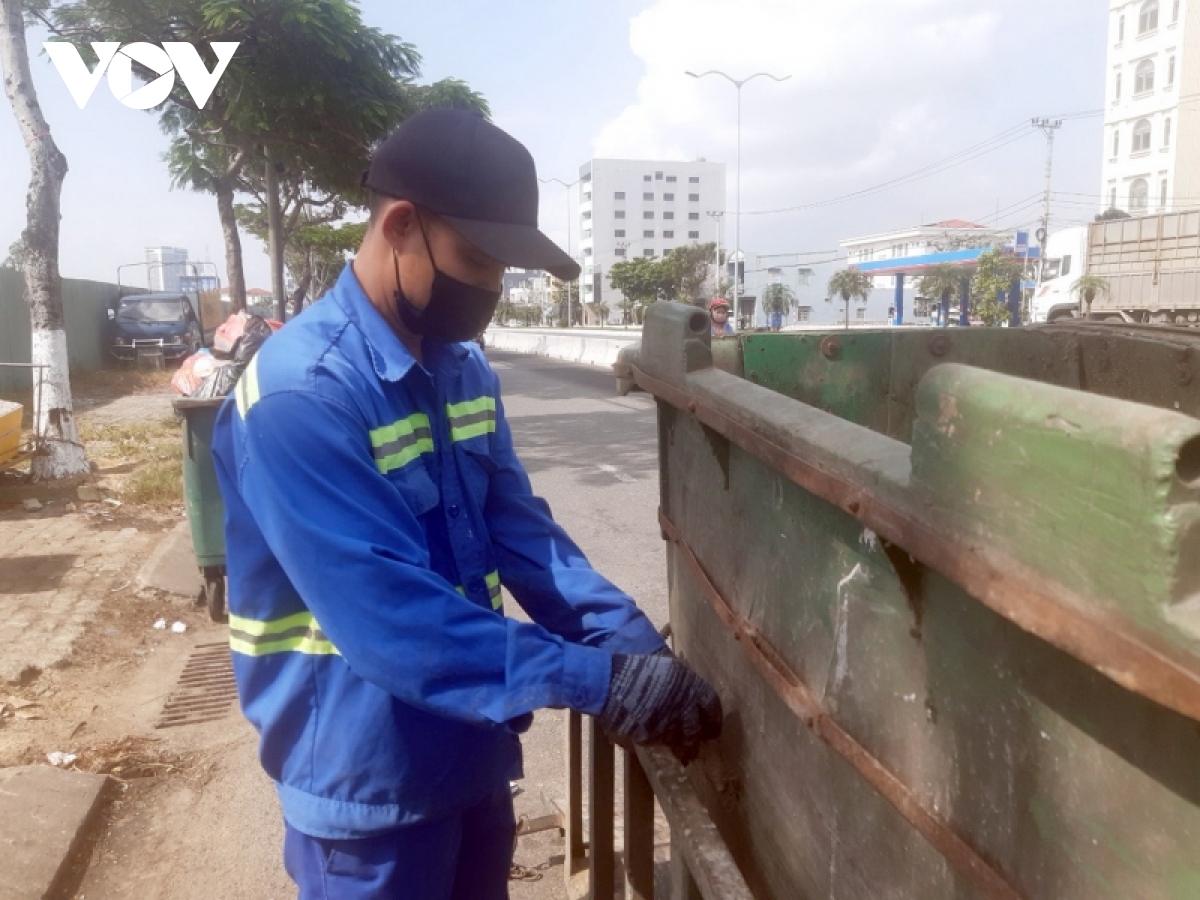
591, 347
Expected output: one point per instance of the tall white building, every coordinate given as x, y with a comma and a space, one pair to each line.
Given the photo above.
166, 266
632, 207
1152, 116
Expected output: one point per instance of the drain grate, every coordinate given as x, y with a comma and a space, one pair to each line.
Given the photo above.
205, 691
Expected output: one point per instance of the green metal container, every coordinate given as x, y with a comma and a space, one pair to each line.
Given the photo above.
947, 583
205, 508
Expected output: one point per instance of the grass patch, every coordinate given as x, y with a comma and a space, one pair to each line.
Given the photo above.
154, 453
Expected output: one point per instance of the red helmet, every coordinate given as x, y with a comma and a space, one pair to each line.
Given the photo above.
719, 301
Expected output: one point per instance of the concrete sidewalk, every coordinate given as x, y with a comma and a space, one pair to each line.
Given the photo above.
47, 819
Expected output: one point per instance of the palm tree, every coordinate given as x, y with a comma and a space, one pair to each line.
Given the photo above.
849, 283
602, 312
778, 298
943, 282
1088, 288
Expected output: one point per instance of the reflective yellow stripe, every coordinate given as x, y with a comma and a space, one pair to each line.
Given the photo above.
471, 418
398, 444
246, 393
492, 580
297, 633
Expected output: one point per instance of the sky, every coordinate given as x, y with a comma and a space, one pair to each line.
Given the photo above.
877, 90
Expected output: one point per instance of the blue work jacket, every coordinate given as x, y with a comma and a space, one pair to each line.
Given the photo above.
374, 506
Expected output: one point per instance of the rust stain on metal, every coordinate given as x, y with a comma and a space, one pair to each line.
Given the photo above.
1135, 659
831, 347
806, 706
708, 858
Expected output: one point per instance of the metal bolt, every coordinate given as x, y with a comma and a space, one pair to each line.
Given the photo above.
831, 347
939, 345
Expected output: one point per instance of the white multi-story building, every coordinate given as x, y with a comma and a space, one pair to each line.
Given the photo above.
1152, 117
631, 207
166, 266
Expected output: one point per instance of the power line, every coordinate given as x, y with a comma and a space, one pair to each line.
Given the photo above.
992, 144
1005, 138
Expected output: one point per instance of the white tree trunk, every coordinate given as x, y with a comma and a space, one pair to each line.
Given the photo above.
64, 454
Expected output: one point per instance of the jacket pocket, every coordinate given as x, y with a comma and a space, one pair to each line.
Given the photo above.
416, 487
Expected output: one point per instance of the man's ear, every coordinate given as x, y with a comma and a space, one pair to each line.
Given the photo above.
398, 223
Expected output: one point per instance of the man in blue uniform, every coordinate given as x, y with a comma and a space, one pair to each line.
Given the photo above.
375, 506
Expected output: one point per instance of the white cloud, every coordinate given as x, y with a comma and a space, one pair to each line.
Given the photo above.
878, 88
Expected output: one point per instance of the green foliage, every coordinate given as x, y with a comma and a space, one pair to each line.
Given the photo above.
848, 284
311, 88
602, 311
1088, 288
640, 281
16, 255
778, 298
1112, 214
995, 274
941, 282
684, 271
525, 314
679, 276
564, 296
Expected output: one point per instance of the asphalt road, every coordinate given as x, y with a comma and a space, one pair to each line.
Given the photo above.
593, 456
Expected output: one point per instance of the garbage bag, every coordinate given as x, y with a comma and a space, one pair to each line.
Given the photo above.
220, 382
228, 333
192, 372
255, 332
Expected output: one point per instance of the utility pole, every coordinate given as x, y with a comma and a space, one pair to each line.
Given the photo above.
737, 220
1046, 127
569, 187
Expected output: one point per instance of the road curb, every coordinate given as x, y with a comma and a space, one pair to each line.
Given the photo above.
171, 565
49, 819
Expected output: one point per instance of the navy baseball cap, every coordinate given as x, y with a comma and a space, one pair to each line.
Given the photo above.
477, 178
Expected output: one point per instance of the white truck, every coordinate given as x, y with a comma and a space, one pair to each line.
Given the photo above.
1151, 264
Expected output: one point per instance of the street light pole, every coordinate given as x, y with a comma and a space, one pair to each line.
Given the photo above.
737, 224
568, 187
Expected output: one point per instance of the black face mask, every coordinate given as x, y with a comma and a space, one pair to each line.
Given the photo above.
456, 311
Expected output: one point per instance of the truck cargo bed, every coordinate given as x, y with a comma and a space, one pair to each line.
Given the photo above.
948, 585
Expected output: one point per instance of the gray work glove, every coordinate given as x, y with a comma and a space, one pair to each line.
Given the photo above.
658, 699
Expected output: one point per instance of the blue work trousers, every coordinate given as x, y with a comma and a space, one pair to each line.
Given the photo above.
461, 857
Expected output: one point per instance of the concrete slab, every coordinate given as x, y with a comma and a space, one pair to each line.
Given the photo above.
46, 819
171, 566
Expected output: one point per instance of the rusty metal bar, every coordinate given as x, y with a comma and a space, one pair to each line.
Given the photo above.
697, 848
601, 816
801, 700
639, 831
683, 885
575, 861
548, 822
1138, 661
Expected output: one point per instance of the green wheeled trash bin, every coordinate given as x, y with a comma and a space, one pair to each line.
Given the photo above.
205, 508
